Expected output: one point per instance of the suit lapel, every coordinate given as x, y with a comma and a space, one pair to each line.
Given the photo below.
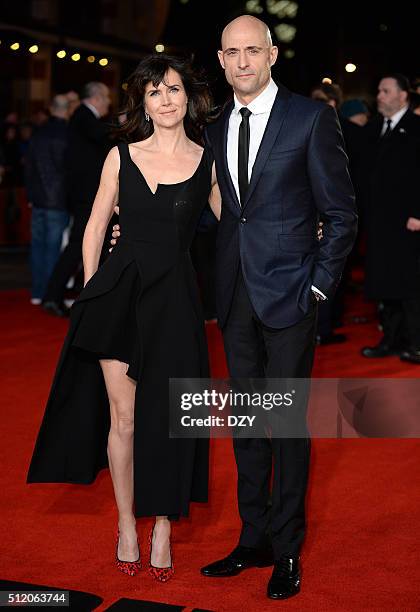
402, 125
400, 128
224, 123
274, 125
377, 130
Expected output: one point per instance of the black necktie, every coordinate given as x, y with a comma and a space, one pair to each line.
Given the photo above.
243, 153
388, 128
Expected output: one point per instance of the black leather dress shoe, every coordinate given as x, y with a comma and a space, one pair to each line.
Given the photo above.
56, 309
322, 339
380, 350
285, 580
411, 355
239, 559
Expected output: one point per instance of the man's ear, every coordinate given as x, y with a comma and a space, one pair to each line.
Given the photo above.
274, 52
221, 59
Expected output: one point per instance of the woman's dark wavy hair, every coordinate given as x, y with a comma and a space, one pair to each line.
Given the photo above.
153, 69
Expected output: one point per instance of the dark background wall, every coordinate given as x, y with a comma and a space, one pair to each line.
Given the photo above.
376, 36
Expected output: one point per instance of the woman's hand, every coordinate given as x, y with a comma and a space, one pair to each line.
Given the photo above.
413, 224
319, 233
115, 235
215, 197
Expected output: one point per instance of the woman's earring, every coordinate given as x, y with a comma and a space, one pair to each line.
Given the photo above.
147, 116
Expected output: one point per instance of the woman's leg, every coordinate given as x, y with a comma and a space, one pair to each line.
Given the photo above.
161, 552
121, 393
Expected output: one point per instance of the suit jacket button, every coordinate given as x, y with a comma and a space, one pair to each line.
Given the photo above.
243, 219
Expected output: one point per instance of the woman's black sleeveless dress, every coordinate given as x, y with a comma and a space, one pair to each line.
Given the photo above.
141, 307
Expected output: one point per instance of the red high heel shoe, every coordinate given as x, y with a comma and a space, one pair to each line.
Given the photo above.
127, 567
163, 574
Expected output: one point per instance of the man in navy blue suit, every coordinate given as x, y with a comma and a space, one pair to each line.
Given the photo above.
281, 167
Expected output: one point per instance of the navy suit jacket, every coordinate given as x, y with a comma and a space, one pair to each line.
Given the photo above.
300, 175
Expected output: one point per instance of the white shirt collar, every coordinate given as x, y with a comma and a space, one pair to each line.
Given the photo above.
263, 103
397, 116
92, 108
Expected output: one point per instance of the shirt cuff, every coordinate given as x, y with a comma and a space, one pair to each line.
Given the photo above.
318, 292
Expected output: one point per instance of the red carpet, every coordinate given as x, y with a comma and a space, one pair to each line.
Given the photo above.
361, 551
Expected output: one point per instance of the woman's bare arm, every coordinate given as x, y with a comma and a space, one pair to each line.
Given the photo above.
102, 210
215, 198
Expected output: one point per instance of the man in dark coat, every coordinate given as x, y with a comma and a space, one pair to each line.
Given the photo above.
89, 143
280, 165
331, 311
393, 220
44, 179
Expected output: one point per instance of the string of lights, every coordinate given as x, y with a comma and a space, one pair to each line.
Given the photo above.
61, 54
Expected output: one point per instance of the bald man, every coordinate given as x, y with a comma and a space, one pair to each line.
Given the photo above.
281, 167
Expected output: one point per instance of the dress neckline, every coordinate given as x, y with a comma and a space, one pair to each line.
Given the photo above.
162, 184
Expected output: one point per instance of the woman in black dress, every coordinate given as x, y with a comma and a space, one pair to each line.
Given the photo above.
138, 321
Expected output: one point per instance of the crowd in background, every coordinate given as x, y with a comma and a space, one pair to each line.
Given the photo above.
15, 134
58, 156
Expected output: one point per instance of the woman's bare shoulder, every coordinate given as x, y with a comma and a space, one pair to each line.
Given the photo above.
140, 145
196, 147
112, 161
